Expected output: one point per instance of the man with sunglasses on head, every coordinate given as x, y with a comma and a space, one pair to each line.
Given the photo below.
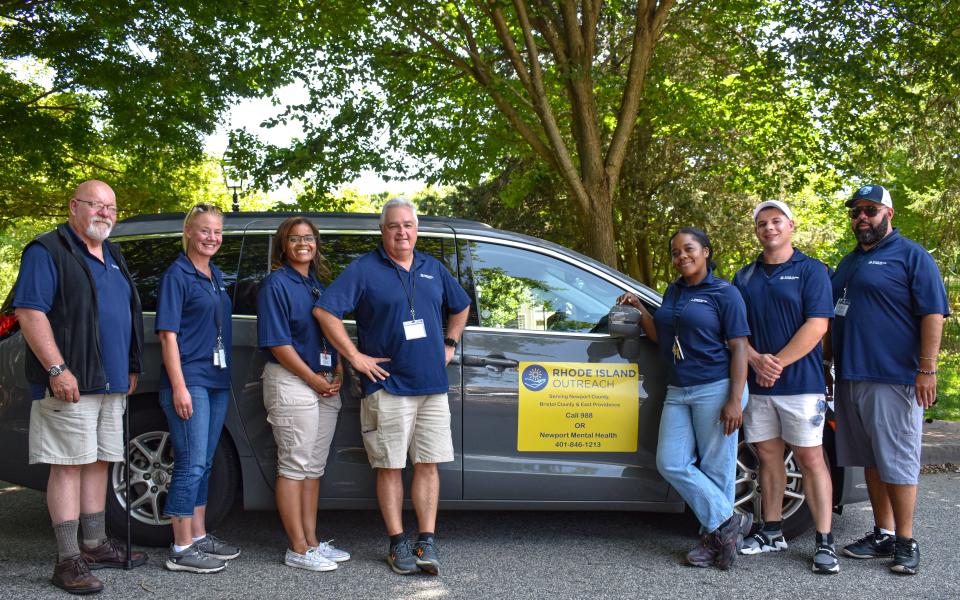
80, 315
890, 303
787, 294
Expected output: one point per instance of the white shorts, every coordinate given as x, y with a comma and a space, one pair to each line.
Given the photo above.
798, 419
77, 433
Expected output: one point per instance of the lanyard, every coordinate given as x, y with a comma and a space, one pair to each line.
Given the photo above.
854, 268
413, 291
215, 296
313, 288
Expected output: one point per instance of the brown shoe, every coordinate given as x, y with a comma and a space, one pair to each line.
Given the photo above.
729, 539
74, 575
111, 555
705, 553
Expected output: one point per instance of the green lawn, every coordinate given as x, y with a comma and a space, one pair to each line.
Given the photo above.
947, 407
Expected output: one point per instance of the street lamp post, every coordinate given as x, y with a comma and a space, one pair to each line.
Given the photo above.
232, 176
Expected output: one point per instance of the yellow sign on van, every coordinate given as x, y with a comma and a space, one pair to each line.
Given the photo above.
578, 407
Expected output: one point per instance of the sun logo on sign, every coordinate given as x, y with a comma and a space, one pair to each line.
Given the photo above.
534, 378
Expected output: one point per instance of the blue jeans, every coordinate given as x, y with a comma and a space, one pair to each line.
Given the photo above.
694, 455
194, 442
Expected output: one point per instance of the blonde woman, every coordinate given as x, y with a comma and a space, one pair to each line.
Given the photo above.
301, 388
193, 325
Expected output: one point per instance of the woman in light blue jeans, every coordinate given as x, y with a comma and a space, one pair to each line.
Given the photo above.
194, 328
701, 331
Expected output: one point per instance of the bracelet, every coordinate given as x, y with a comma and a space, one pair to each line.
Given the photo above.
924, 372
928, 358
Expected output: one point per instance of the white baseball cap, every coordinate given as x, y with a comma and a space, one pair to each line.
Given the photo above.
782, 207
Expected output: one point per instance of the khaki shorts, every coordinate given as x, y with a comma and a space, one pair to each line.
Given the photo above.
394, 426
77, 433
303, 423
797, 419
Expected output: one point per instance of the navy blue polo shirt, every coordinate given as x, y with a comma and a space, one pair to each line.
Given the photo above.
707, 315
777, 306
37, 287
285, 317
376, 290
189, 304
890, 288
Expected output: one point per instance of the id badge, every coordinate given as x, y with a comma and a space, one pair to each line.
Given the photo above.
326, 359
414, 330
222, 353
841, 308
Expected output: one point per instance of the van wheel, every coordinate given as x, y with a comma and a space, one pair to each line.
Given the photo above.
747, 499
150, 453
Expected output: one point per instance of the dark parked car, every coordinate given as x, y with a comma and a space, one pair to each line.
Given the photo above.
533, 302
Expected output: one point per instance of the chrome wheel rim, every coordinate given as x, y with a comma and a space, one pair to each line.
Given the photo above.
747, 497
151, 469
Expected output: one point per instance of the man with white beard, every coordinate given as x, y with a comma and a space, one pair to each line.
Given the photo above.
80, 315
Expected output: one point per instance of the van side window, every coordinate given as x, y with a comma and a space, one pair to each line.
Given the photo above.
521, 289
340, 250
254, 264
148, 258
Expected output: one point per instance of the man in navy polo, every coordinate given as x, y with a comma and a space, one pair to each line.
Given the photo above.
890, 303
400, 298
789, 307
80, 316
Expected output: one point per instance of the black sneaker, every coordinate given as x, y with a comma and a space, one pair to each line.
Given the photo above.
906, 557
401, 558
825, 559
428, 559
872, 545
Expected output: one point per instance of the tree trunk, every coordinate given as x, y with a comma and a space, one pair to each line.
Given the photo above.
598, 218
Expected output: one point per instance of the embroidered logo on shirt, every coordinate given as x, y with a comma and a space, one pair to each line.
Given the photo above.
789, 277
876, 262
425, 276
700, 300
115, 267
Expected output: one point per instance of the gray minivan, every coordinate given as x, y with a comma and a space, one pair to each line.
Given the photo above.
532, 302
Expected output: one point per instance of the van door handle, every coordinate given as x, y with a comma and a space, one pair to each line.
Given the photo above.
493, 362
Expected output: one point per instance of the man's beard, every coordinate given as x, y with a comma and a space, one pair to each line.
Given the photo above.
95, 233
872, 235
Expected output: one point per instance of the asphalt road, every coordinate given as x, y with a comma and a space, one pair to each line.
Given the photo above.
505, 555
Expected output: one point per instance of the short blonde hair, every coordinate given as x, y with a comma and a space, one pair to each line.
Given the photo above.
193, 213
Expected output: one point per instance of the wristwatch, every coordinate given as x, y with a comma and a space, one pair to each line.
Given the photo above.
450, 342
55, 370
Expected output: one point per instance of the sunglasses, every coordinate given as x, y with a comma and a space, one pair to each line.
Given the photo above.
870, 211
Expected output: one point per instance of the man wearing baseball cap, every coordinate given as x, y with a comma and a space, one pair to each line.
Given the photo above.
789, 307
890, 303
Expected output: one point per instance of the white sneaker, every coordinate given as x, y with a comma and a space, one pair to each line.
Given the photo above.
312, 561
326, 550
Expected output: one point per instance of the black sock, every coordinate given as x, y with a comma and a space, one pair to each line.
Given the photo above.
771, 526
825, 538
727, 522
426, 536
396, 539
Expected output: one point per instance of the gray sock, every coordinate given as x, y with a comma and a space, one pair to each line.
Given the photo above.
94, 529
66, 534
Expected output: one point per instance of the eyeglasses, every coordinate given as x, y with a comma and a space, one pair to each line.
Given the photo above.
315, 292
306, 239
870, 211
98, 206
